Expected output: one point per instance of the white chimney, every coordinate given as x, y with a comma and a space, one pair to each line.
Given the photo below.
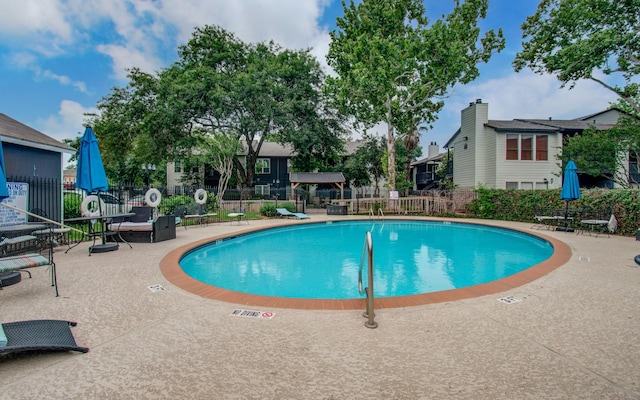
433, 150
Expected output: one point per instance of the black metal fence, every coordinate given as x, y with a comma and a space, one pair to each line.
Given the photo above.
43, 197
54, 200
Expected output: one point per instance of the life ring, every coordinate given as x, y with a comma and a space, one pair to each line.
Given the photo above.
84, 206
151, 193
200, 196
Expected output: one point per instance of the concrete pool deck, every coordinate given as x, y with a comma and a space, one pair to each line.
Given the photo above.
570, 334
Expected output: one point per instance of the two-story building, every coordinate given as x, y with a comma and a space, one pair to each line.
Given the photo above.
516, 154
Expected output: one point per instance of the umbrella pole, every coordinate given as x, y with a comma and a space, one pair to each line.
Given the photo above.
103, 224
41, 217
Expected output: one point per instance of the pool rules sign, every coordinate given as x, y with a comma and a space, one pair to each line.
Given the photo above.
18, 195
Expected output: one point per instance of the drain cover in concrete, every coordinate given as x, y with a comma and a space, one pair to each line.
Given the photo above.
156, 288
252, 314
510, 299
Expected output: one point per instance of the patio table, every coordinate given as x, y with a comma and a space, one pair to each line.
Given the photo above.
104, 233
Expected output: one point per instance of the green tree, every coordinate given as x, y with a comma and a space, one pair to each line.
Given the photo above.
75, 143
391, 65
585, 39
364, 166
310, 123
132, 130
219, 86
443, 169
612, 154
255, 92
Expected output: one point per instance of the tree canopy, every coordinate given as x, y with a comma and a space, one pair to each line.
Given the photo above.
392, 66
222, 86
585, 39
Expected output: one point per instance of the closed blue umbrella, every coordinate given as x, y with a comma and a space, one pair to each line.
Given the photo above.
90, 174
4, 192
570, 185
570, 188
91, 177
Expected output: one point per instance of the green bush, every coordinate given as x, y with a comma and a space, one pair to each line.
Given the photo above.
289, 206
268, 209
212, 202
71, 205
168, 204
521, 205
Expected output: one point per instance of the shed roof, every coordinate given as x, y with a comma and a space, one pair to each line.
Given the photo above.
316, 177
19, 133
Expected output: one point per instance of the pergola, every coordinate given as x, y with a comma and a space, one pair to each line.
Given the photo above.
335, 178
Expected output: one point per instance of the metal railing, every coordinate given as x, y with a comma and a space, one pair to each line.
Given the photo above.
368, 250
373, 215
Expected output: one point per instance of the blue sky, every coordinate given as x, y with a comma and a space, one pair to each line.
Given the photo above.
59, 57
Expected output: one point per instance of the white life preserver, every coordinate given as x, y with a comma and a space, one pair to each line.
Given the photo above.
91, 212
200, 196
150, 195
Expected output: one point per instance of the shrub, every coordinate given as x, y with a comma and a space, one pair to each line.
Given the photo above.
212, 202
268, 209
71, 205
168, 204
520, 205
289, 206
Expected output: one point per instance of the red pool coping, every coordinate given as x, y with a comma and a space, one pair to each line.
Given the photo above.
174, 274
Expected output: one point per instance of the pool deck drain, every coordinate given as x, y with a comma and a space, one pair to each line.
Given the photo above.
510, 299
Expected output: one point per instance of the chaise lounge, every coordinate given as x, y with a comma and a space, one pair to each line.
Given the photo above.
43, 335
142, 228
286, 213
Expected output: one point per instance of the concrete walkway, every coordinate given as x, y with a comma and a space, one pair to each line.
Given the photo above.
574, 335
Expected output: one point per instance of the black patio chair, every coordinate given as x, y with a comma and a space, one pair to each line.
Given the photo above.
39, 335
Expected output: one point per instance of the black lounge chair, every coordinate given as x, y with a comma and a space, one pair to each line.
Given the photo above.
43, 335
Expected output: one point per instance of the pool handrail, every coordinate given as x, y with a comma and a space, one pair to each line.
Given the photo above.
373, 215
368, 249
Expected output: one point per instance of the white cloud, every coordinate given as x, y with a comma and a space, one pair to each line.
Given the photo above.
68, 122
528, 95
124, 58
520, 95
291, 23
137, 32
28, 18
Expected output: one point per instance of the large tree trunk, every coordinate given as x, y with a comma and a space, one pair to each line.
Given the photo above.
391, 148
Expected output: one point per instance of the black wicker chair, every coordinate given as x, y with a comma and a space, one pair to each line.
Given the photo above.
39, 335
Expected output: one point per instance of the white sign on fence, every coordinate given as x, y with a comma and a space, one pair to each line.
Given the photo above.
18, 195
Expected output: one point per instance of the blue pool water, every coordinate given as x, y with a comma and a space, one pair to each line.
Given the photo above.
321, 261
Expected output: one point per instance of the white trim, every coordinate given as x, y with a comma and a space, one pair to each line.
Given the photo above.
28, 143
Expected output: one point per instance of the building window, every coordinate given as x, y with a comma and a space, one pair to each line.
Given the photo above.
263, 190
177, 166
634, 169
526, 186
523, 147
263, 166
511, 185
512, 147
526, 144
542, 145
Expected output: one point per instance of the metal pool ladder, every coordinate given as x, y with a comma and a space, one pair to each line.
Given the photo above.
368, 249
373, 215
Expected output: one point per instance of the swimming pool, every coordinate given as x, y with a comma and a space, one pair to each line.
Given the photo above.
321, 260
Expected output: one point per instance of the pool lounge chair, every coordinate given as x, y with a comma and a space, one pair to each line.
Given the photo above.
286, 213
43, 335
